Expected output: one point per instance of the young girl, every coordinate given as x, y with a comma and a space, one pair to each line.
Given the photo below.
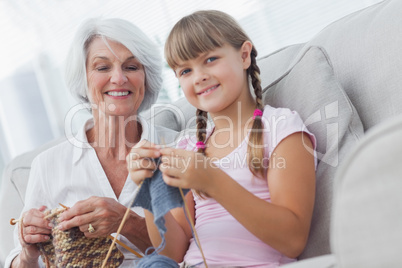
252, 174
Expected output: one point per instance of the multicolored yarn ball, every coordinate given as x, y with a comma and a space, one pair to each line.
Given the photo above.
71, 248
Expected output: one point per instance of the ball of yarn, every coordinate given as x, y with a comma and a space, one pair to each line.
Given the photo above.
155, 260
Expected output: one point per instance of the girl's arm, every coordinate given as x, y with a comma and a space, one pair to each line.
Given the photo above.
178, 232
283, 223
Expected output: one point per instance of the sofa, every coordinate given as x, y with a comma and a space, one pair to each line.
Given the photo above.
345, 84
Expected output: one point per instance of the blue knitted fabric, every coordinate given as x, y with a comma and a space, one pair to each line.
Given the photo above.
154, 260
159, 198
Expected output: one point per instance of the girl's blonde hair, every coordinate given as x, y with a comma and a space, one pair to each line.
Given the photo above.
202, 32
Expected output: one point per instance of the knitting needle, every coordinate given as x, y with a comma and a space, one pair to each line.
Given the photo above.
189, 218
193, 227
121, 225
14, 221
123, 221
58, 211
117, 241
111, 237
63, 206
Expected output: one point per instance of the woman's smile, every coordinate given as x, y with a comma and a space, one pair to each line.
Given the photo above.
119, 94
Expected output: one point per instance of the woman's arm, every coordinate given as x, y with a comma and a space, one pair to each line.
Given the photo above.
135, 230
24, 260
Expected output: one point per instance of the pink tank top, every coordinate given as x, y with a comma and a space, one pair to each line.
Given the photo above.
225, 242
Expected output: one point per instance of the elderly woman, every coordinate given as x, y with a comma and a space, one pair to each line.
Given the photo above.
116, 69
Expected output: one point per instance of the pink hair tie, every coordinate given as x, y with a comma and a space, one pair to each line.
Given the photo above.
200, 145
257, 112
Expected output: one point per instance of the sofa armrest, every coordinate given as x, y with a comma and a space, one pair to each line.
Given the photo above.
366, 214
12, 194
10, 206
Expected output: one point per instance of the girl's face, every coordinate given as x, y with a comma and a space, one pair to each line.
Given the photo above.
217, 79
116, 80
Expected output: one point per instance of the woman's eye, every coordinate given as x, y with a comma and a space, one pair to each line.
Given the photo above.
102, 68
211, 59
132, 68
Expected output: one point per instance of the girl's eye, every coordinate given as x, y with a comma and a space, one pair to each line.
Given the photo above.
185, 71
211, 59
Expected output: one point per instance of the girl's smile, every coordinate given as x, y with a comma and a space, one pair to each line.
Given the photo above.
208, 90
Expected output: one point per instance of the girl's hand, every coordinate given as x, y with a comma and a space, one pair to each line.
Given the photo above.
187, 169
33, 229
104, 214
140, 161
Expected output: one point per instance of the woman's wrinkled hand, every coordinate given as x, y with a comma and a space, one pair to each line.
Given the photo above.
104, 214
33, 228
140, 161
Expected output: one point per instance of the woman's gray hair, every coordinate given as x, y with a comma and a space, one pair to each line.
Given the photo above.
125, 33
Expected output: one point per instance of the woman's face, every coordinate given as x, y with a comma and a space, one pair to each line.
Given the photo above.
116, 79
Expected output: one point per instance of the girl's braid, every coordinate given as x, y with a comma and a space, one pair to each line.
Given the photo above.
201, 128
255, 148
254, 72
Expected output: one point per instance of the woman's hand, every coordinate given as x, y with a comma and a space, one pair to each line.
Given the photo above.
140, 161
33, 229
187, 169
104, 214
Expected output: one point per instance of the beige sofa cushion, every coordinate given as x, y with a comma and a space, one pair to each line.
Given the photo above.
274, 65
367, 213
365, 50
311, 89
177, 116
